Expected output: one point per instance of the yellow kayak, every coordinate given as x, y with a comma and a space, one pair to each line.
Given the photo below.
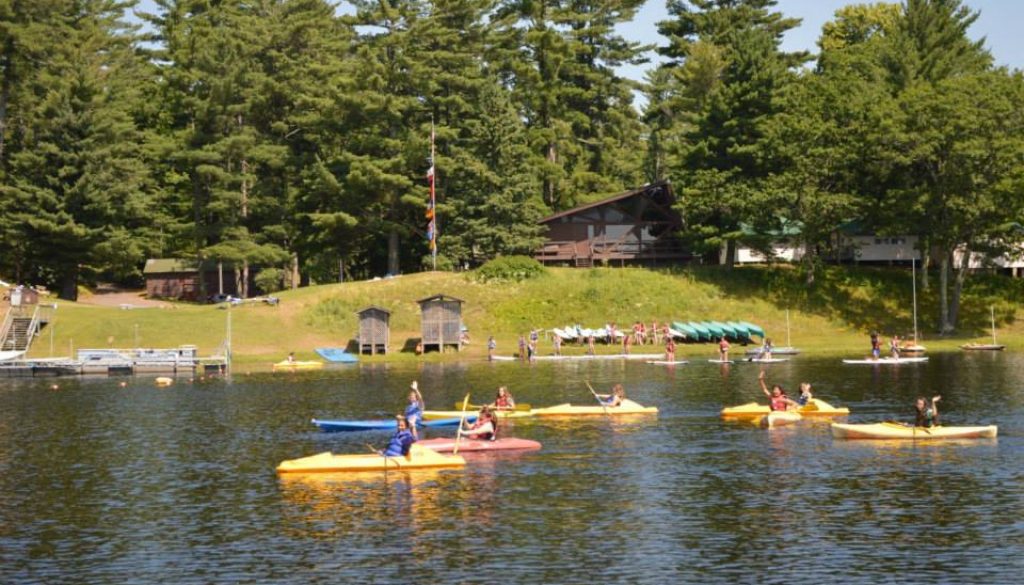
418, 458
815, 407
287, 366
439, 414
779, 418
894, 430
627, 407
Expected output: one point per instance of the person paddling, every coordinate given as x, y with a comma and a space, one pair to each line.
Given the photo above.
485, 427
401, 441
926, 414
616, 397
414, 412
805, 394
777, 396
504, 400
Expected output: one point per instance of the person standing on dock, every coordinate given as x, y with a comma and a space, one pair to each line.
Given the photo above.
557, 342
590, 344
627, 340
894, 347
876, 348
522, 347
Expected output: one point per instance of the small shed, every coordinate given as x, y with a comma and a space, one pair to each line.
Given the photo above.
441, 321
374, 330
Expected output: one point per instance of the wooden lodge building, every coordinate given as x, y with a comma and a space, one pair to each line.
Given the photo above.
635, 227
177, 278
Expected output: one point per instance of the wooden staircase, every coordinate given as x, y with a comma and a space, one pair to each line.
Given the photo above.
584, 262
19, 328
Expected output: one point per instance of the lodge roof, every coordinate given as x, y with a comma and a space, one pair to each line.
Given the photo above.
624, 195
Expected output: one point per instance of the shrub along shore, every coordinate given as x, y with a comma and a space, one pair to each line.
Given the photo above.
834, 317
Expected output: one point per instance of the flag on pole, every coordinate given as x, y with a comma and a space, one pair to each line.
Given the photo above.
432, 204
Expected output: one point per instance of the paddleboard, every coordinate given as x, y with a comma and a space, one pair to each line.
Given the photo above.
888, 360
721, 361
767, 360
666, 363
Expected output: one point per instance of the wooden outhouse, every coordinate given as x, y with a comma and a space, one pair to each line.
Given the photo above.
374, 330
441, 322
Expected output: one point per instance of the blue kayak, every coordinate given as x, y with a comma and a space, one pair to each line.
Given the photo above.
337, 426
337, 355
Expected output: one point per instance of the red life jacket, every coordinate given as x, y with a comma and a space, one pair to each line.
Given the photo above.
502, 402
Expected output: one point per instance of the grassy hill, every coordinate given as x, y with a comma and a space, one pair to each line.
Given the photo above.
834, 316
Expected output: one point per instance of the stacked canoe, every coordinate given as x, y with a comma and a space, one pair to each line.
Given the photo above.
738, 331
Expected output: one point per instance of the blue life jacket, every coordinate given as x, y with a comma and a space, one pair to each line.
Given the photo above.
414, 410
399, 444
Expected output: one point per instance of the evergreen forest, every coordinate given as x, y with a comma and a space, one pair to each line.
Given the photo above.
292, 138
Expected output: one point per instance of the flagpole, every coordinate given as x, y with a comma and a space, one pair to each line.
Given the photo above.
433, 200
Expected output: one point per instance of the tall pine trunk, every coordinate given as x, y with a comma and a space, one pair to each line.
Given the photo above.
294, 280
958, 287
924, 247
5, 95
69, 284
393, 264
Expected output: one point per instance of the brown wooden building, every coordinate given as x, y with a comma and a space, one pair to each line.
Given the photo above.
636, 227
374, 330
441, 322
176, 278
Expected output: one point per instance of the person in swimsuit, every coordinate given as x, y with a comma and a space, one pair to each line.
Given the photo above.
805, 394
616, 397
926, 413
876, 348
776, 396
723, 349
894, 347
670, 349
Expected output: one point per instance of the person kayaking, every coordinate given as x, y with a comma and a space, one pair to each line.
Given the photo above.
776, 396
291, 358
503, 400
805, 394
926, 414
723, 349
414, 412
401, 441
618, 394
485, 427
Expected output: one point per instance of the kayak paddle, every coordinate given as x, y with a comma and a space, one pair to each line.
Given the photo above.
462, 421
603, 405
519, 407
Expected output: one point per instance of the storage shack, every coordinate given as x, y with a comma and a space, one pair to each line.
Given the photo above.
441, 322
374, 330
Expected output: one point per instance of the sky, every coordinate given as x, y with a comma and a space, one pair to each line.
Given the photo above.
999, 23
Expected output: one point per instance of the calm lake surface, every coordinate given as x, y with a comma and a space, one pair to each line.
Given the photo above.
104, 484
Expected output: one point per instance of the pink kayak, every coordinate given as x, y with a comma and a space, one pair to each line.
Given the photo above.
471, 445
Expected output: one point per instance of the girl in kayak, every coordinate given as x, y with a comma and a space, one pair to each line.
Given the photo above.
504, 400
401, 440
616, 397
485, 427
805, 394
414, 412
926, 415
777, 396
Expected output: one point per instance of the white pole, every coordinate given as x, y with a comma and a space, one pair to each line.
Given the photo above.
228, 352
788, 342
992, 310
913, 281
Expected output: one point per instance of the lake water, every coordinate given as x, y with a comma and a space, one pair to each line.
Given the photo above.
107, 484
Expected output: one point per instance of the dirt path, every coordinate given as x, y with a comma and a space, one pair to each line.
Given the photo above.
122, 298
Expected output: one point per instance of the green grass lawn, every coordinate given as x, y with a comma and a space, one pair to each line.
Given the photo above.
834, 317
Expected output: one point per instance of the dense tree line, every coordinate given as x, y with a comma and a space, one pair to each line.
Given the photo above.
289, 137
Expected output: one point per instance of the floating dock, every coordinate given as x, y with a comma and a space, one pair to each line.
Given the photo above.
117, 362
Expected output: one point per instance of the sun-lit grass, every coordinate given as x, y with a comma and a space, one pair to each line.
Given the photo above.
835, 316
